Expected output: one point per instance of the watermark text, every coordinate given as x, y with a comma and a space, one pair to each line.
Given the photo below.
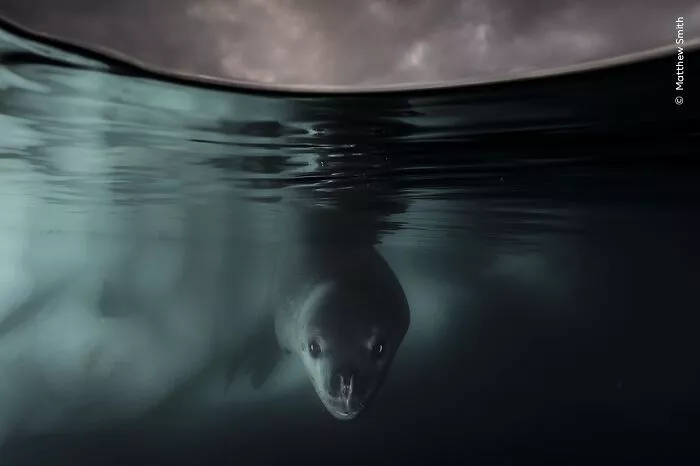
680, 64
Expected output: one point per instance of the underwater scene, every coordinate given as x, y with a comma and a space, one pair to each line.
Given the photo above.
502, 273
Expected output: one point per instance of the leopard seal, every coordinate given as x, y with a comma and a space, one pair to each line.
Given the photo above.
342, 310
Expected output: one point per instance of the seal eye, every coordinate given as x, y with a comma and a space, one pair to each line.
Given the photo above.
378, 350
314, 349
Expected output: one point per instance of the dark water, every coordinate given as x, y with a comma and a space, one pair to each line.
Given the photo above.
544, 231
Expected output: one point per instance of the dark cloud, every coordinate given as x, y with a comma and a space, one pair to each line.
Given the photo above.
363, 42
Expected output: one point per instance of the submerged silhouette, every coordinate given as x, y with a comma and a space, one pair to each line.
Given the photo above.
333, 301
343, 312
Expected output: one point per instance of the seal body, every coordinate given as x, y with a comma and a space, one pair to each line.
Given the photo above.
343, 312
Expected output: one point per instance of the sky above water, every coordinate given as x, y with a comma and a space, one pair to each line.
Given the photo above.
363, 42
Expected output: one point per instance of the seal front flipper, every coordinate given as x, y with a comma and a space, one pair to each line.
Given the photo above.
232, 369
264, 365
258, 357
265, 353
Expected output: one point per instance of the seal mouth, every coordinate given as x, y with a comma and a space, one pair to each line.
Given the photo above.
344, 415
343, 408
347, 406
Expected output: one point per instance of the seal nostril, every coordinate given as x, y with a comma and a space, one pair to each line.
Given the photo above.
343, 381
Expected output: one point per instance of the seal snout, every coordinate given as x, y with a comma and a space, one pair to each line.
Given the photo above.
342, 382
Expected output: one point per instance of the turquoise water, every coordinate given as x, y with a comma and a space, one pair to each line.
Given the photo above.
544, 233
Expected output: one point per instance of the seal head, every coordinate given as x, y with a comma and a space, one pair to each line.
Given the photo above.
349, 338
